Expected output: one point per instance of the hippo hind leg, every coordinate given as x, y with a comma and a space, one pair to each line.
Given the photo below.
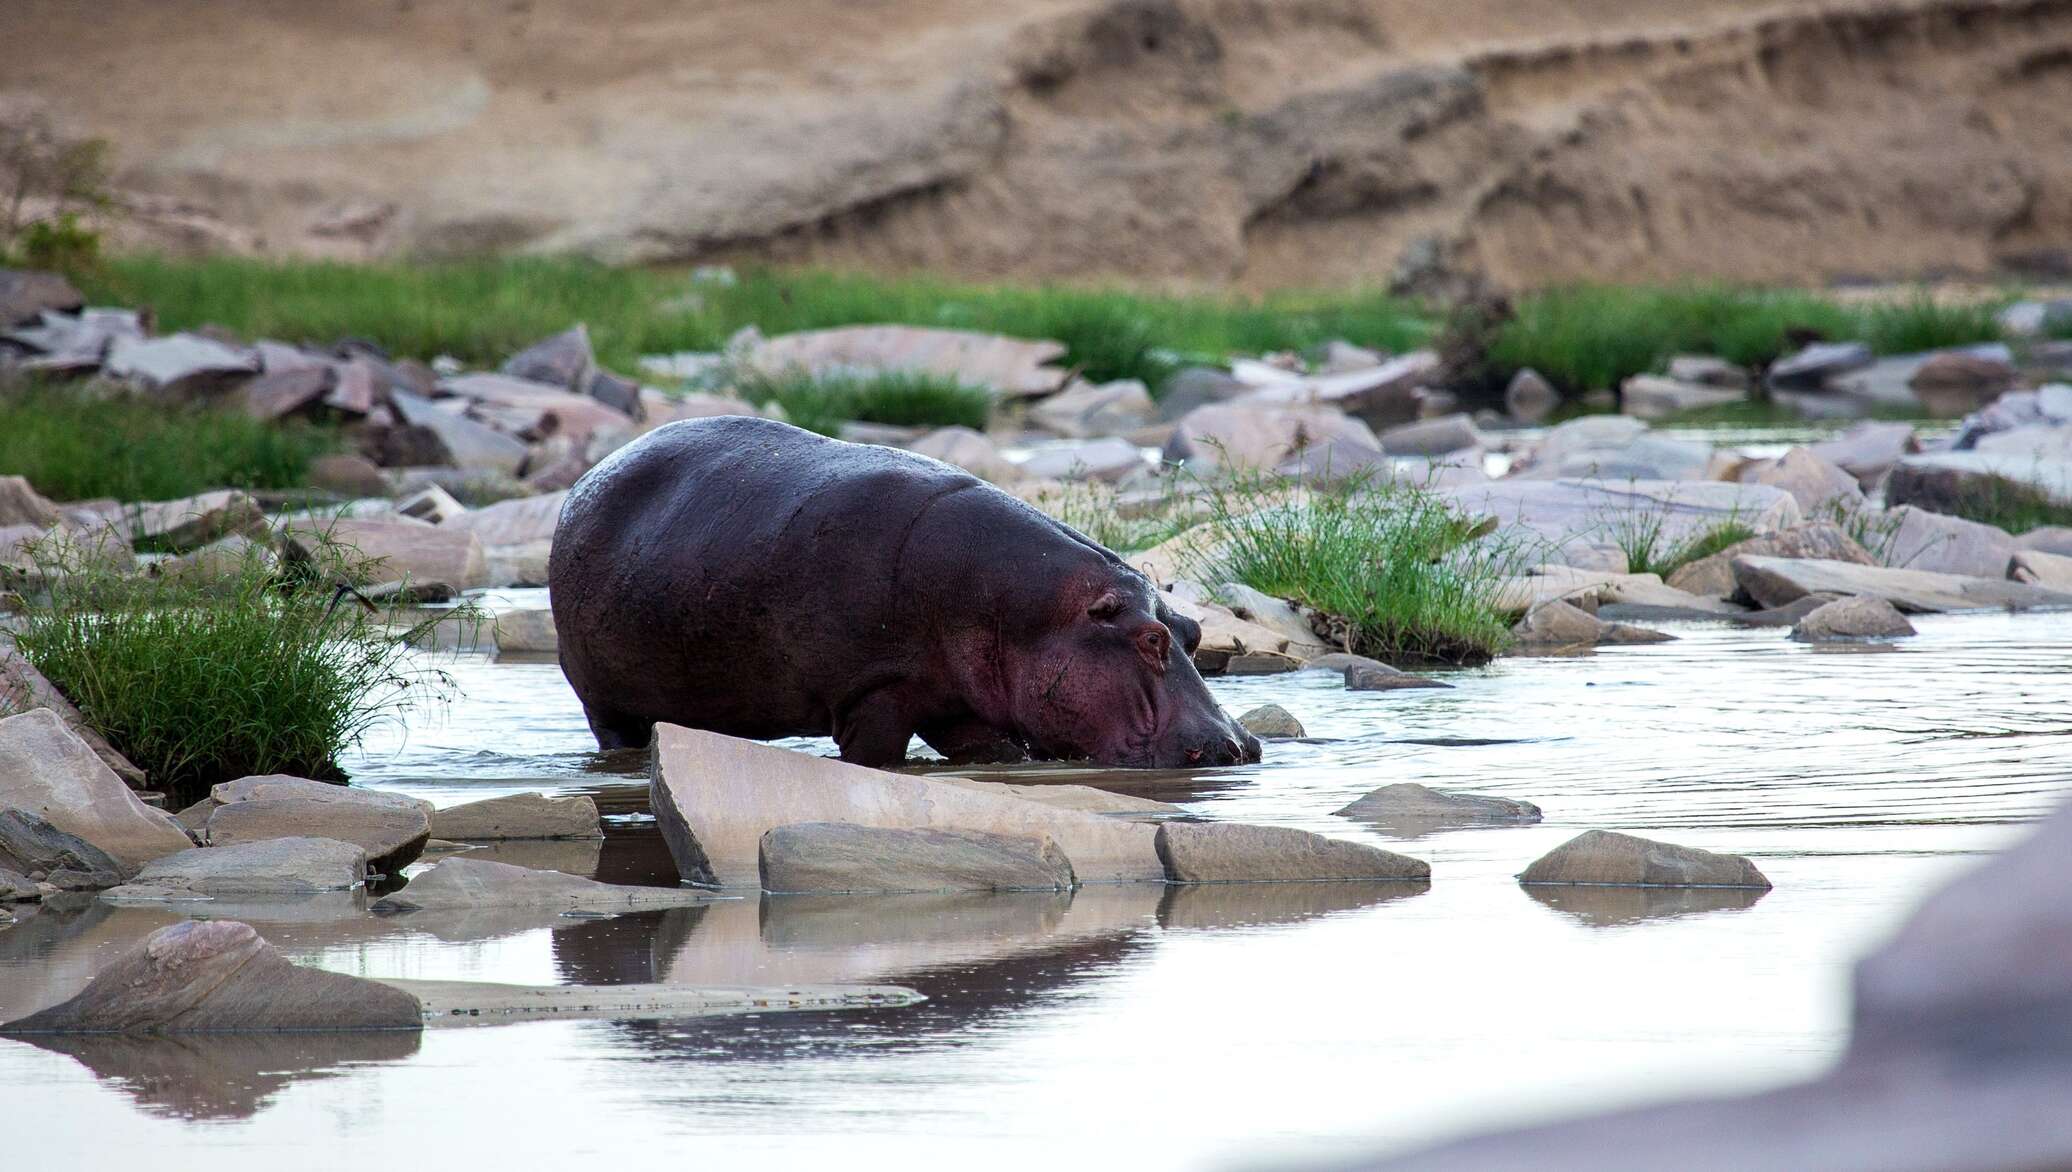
615, 730
973, 742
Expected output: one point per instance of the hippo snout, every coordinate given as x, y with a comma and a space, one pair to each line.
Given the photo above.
1230, 746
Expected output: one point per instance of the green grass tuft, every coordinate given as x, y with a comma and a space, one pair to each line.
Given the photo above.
1996, 500
201, 680
75, 444
1390, 562
905, 399
1642, 534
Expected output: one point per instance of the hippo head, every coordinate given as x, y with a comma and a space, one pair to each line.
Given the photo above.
1114, 682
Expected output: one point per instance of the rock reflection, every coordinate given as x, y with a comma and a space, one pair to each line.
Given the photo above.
1606, 907
223, 1076
1253, 905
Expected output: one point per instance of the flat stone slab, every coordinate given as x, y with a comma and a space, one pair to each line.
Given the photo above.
1408, 805
1775, 582
1572, 509
468, 1003
1228, 852
843, 857
219, 976
519, 816
275, 866
391, 836
1624, 860
1361, 677
715, 796
463, 883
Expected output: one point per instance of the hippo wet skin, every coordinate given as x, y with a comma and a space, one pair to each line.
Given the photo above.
744, 576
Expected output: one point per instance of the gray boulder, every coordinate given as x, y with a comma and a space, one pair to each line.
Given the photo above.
273, 867
1197, 386
1868, 450
842, 856
1817, 485
1408, 806
32, 847
1811, 367
527, 632
179, 364
391, 836
1530, 398
219, 976
1708, 370
48, 771
23, 688
1557, 624
1271, 720
1850, 619
195, 521
1228, 852
458, 884
429, 434
565, 360
16, 887
1605, 857
961, 447
1109, 459
1651, 397
25, 294
1084, 410
399, 549
2051, 571
1432, 437
528, 816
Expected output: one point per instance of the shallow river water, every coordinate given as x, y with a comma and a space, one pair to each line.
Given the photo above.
1141, 1026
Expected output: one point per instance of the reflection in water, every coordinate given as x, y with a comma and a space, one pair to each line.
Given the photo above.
1253, 905
224, 1076
1609, 906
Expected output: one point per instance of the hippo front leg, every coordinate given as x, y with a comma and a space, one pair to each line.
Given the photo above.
970, 741
875, 730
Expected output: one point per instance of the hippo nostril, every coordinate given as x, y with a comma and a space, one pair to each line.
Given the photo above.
1194, 756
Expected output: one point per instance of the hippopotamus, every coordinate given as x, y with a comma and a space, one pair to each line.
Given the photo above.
744, 576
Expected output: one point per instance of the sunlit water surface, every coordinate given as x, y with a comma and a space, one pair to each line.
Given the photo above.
1139, 1026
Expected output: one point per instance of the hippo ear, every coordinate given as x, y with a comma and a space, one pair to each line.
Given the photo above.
1106, 607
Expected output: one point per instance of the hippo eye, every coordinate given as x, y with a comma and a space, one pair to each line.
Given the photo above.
1153, 644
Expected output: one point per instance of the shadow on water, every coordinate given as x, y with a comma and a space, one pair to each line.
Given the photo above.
1607, 907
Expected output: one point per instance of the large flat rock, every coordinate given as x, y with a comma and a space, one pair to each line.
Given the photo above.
715, 796
47, 770
275, 866
513, 522
519, 816
410, 550
1775, 582
391, 836
844, 857
219, 976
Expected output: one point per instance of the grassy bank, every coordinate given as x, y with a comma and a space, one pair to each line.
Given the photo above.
1588, 337
483, 311
74, 445
1391, 564
203, 679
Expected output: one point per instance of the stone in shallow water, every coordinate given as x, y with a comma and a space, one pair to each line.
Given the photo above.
459, 883
391, 836
844, 857
46, 769
1408, 804
1775, 582
519, 816
220, 976
714, 797
276, 866
1228, 852
1603, 856
1271, 720
1380, 677
1852, 618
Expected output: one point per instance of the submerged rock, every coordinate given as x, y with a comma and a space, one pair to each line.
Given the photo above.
1228, 852
845, 857
47, 770
198, 977
275, 866
1602, 856
463, 883
1850, 619
715, 796
1557, 624
1271, 720
1408, 805
1380, 677
519, 816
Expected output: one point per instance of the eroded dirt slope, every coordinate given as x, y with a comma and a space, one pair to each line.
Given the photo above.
1261, 142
